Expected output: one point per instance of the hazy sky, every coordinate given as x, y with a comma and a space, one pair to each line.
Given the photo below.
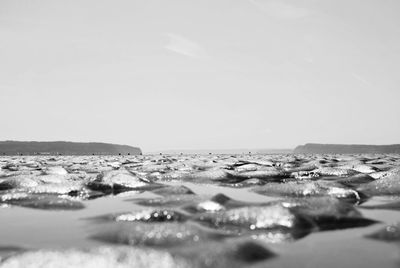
176, 74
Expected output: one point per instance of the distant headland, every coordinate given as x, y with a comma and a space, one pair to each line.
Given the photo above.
99, 148
65, 148
315, 148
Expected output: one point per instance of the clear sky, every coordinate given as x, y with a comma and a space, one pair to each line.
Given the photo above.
185, 74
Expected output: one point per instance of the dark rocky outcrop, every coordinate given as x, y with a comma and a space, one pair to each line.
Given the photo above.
65, 148
315, 148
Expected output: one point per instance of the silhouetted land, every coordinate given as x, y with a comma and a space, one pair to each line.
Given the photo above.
315, 148
65, 148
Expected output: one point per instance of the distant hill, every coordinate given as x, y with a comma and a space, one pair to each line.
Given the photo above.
65, 148
315, 148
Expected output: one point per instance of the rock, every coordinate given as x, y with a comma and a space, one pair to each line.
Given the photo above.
210, 176
166, 234
16, 182
216, 203
114, 165
100, 257
4, 174
390, 233
388, 206
116, 181
169, 201
169, 176
388, 184
328, 213
272, 217
252, 182
58, 188
353, 181
338, 172
56, 178
204, 206
232, 254
166, 190
11, 167
146, 215
364, 169
247, 167
306, 189
55, 170
268, 174
47, 202
302, 175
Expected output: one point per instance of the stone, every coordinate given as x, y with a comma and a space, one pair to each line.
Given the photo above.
390, 233
165, 234
99, 257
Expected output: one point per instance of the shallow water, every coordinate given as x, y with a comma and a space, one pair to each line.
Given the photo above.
35, 229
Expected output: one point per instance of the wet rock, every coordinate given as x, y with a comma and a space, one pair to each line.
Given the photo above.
302, 175
169, 176
390, 233
169, 200
145, 215
387, 206
269, 174
353, 181
210, 176
273, 217
55, 170
42, 183
11, 167
318, 206
4, 173
204, 206
381, 174
328, 213
306, 189
166, 190
388, 184
252, 182
231, 254
57, 188
218, 202
46, 202
243, 184
56, 178
226, 201
117, 181
364, 169
166, 234
247, 167
18, 182
338, 172
114, 165
120, 257
221, 175
302, 168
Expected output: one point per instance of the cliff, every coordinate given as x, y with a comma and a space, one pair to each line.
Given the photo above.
315, 148
65, 148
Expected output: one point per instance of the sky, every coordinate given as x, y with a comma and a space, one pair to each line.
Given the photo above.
200, 74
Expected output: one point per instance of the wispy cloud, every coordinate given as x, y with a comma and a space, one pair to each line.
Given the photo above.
281, 10
361, 79
183, 46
